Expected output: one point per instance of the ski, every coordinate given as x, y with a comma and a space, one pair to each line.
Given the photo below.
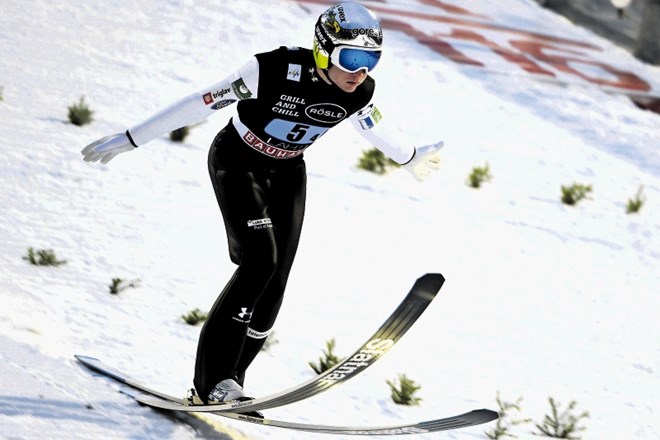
419, 297
472, 418
140, 392
413, 305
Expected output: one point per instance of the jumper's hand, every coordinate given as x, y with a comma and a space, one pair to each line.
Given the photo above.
425, 161
107, 148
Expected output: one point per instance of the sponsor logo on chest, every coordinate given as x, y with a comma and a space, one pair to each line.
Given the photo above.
287, 105
294, 72
325, 112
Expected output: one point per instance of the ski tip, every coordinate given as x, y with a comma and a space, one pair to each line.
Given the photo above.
484, 415
428, 285
431, 276
85, 359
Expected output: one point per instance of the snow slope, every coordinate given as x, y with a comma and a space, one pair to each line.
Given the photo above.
541, 299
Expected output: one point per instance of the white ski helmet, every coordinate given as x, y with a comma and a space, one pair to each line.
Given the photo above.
349, 36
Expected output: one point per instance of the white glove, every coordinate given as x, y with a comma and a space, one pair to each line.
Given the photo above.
425, 161
107, 148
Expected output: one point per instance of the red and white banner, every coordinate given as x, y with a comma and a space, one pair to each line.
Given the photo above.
517, 37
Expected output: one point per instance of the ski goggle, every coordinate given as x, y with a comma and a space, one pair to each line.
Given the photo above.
352, 60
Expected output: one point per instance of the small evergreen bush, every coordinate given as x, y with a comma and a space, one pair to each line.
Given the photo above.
269, 342
43, 257
479, 175
118, 285
570, 195
180, 134
1, 97
505, 422
403, 392
635, 204
328, 360
194, 317
375, 161
562, 424
80, 114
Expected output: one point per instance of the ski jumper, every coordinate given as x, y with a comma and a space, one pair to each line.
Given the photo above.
258, 174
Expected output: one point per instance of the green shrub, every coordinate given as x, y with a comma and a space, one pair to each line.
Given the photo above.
479, 175
194, 317
375, 161
43, 257
80, 114
1, 97
328, 360
570, 195
269, 342
180, 134
636, 203
118, 285
562, 424
505, 422
403, 392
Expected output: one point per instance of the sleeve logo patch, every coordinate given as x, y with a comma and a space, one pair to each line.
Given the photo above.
369, 117
222, 104
240, 89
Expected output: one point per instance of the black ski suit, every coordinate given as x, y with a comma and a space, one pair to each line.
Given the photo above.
258, 174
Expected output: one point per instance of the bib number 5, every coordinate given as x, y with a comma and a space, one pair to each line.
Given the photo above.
294, 133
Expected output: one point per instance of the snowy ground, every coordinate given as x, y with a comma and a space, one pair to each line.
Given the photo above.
541, 299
